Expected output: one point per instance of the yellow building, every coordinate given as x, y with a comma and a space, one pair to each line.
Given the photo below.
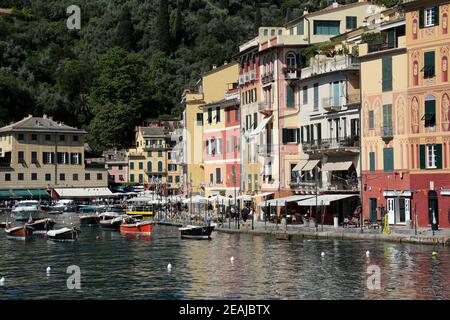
150, 162
40, 153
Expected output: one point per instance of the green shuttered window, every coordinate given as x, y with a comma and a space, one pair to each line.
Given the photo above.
290, 97
387, 74
429, 65
372, 161
388, 158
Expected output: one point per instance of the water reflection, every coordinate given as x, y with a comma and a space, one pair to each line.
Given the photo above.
119, 267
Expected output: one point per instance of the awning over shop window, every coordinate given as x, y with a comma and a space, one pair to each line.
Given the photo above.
311, 165
283, 201
260, 126
393, 193
445, 192
5, 194
29, 193
300, 165
83, 192
337, 166
324, 199
261, 195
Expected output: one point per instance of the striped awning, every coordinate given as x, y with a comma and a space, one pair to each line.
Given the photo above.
337, 166
310, 165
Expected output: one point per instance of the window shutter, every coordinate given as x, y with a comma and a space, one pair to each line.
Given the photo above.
372, 161
387, 74
422, 156
388, 159
421, 18
439, 156
255, 120
301, 135
297, 133
436, 15
290, 97
284, 133
429, 68
430, 113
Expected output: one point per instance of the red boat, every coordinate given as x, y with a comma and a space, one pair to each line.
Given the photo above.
19, 233
144, 228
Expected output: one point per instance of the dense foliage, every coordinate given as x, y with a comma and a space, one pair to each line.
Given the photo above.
131, 59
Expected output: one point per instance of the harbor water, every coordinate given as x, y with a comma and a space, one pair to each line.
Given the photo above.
113, 266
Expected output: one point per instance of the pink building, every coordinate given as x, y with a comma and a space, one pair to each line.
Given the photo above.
117, 163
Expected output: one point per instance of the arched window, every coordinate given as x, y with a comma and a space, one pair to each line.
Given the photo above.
291, 60
160, 166
430, 111
149, 166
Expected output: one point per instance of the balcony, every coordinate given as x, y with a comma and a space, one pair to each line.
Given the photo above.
381, 46
387, 132
267, 77
152, 147
292, 73
332, 104
136, 156
176, 135
267, 150
338, 63
265, 107
155, 173
350, 144
348, 185
308, 186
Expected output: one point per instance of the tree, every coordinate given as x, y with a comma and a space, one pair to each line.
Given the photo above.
257, 21
125, 31
178, 25
163, 27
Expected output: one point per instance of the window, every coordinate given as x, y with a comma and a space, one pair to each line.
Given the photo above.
300, 28
429, 17
149, 166
177, 179
149, 153
354, 128
199, 119
120, 167
431, 156
132, 178
372, 161
291, 60
387, 119
141, 166
209, 115
169, 179
62, 138
75, 177
323, 27
62, 177
131, 165
160, 166
121, 177
48, 177
290, 97
21, 137
316, 96
75, 158
7, 176
388, 154
100, 176
20, 176
371, 120
21, 157
219, 145
211, 178
62, 157
160, 153
430, 112
48, 157
218, 175
255, 120
350, 22
386, 73
428, 68
291, 135
75, 139
217, 114
34, 157
305, 94
34, 137
87, 176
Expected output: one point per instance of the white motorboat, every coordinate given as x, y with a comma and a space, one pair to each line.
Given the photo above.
26, 209
64, 206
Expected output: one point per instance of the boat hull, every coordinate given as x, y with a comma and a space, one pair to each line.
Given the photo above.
145, 228
24, 215
24, 233
199, 233
141, 213
110, 225
66, 236
89, 220
41, 226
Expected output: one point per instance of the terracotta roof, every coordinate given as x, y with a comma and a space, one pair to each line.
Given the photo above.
38, 124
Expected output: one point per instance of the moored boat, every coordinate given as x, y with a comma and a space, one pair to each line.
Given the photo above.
19, 233
108, 215
111, 224
196, 232
41, 226
139, 228
26, 209
3, 225
64, 234
64, 205
89, 220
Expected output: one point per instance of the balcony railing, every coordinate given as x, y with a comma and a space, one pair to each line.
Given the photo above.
330, 144
292, 73
332, 104
267, 77
380, 46
155, 172
265, 107
136, 156
386, 132
338, 63
305, 185
151, 147
267, 150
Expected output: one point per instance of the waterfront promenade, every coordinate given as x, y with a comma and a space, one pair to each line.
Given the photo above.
424, 236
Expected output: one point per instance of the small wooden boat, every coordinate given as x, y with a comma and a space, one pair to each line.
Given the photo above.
3, 225
89, 220
111, 224
41, 226
64, 234
282, 236
19, 233
196, 232
109, 215
134, 227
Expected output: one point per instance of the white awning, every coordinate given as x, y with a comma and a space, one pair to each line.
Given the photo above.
83, 192
337, 166
445, 192
142, 199
245, 197
196, 199
282, 201
396, 193
324, 199
310, 165
261, 195
300, 165
260, 126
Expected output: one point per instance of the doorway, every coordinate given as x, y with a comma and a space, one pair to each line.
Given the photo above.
433, 209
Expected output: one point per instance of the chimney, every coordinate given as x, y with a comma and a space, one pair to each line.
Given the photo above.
225, 62
305, 12
335, 4
44, 116
214, 66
